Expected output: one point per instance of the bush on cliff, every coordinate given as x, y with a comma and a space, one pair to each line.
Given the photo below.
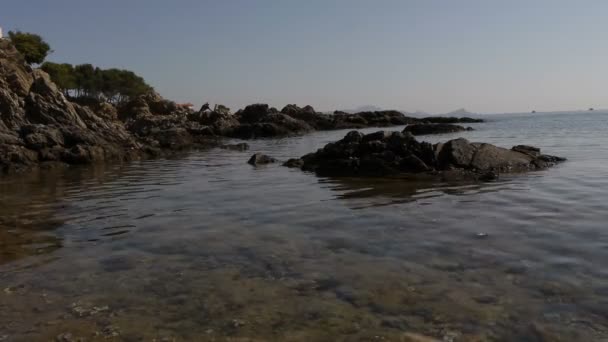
33, 48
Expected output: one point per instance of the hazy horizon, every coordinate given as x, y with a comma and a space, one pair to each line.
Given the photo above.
434, 56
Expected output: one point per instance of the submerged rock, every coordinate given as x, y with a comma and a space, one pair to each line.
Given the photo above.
261, 159
392, 153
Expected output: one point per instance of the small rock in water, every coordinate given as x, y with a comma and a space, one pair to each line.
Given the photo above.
238, 323
82, 310
261, 159
110, 331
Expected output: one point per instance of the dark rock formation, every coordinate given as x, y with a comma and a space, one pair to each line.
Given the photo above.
391, 153
386, 118
261, 159
260, 121
38, 124
433, 128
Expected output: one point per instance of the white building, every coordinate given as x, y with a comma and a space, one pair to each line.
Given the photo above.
1, 36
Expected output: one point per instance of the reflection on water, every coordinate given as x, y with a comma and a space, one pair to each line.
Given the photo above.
391, 191
206, 247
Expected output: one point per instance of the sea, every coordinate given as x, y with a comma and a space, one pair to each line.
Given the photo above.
202, 246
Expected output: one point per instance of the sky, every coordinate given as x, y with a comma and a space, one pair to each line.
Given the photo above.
431, 55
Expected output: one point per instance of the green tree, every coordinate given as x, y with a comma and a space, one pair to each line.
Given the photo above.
33, 48
62, 74
87, 80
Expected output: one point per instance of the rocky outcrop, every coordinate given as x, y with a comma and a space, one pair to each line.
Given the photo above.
261, 121
398, 153
40, 126
432, 128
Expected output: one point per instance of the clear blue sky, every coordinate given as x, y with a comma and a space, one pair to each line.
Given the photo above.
487, 56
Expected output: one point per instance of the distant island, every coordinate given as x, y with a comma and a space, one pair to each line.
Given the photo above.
417, 113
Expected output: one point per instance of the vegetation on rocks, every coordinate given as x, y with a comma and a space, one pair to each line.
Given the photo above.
85, 81
32, 46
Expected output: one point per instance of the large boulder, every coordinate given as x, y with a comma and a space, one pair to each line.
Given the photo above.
455, 153
45, 104
254, 113
306, 114
490, 157
221, 122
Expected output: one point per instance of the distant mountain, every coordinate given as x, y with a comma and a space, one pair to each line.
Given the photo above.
417, 114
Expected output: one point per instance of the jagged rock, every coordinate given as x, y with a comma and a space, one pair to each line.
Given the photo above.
270, 125
261, 159
106, 111
221, 123
306, 114
14, 71
254, 113
458, 153
388, 153
37, 137
45, 104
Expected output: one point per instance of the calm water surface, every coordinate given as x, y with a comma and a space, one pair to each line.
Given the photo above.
204, 247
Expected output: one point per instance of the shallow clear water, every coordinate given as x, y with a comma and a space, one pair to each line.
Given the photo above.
205, 247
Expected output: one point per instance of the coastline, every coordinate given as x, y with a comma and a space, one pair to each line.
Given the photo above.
40, 127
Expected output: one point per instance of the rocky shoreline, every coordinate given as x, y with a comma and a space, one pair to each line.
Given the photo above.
39, 126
